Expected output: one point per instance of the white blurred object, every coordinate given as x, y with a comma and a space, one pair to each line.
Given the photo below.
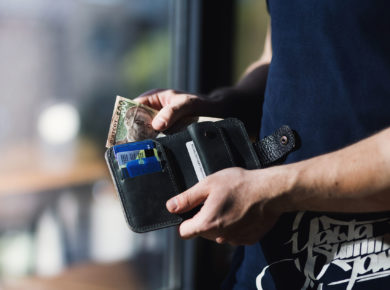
69, 213
15, 256
49, 246
59, 124
111, 238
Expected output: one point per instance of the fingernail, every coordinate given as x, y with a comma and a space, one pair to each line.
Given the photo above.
159, 124
172, 204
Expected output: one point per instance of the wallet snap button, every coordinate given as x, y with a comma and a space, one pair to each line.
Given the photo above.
284, 140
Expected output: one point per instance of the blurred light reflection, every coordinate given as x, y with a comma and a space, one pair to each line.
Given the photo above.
59, 123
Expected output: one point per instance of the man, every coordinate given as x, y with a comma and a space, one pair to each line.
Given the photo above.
322, 219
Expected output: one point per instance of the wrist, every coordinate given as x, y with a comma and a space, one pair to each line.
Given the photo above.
279, 183
202, 106
222, 102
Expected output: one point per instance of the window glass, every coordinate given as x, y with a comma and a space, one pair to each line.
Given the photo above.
251, 18
61, 65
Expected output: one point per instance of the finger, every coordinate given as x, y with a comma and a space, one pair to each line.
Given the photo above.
188, 200
169, 111
190, 228
155, 98
143, 100
152, 100
168, 115
198, 226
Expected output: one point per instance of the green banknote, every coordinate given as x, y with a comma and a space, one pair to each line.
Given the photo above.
130, 122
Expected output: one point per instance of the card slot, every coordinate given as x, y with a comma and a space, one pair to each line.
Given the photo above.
162, 154
170, 163
144, 198
179, 159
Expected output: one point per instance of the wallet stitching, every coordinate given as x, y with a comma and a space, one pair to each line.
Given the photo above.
170, 173
171, 177
158, 225
119, 186
229, 154
251, 149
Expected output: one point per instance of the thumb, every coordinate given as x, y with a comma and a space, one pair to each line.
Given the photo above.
187, 200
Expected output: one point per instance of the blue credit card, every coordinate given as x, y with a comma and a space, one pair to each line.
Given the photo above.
124, 157
140, 145
142, 166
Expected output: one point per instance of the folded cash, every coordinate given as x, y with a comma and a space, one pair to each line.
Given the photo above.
130, 122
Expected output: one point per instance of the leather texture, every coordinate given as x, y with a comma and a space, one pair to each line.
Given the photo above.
219, 145
274, 148
212, 147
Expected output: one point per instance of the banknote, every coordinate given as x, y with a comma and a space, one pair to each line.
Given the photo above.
130, 122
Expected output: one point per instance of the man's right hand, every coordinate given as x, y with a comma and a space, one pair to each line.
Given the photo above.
172, 106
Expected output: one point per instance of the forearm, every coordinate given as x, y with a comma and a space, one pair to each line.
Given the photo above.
243, 101
354, 179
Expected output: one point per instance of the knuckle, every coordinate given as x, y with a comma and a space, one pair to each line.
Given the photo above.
155, 97
184, 201
186, 98
220, 240
175, 108
219, 224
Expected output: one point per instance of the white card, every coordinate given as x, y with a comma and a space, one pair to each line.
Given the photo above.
196, 163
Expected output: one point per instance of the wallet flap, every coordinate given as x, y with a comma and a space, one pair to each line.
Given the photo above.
211, 146
274, 148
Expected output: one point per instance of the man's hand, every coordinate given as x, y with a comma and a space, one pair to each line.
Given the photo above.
173, 106
238, 206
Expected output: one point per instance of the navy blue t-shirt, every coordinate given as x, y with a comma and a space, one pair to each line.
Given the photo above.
329, 79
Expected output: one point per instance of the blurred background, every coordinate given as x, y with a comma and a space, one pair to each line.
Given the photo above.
61, 65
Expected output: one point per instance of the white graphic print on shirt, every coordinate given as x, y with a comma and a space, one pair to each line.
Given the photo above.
353, 247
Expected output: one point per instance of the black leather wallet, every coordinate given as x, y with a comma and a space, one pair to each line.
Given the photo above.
187, 156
